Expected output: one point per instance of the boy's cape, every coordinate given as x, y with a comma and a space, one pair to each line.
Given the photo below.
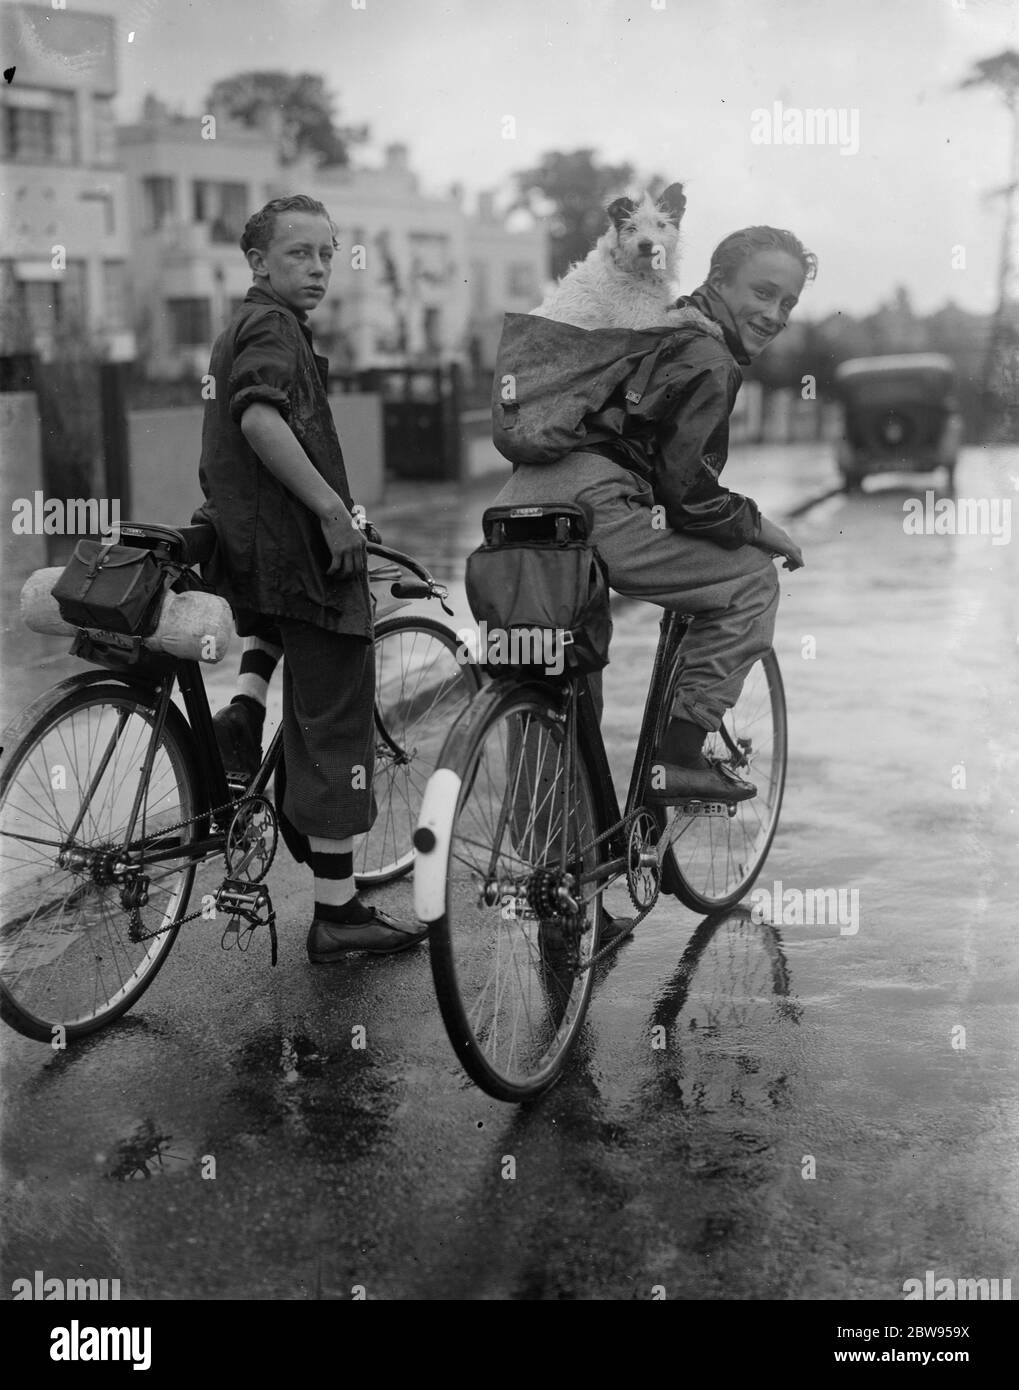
550, 376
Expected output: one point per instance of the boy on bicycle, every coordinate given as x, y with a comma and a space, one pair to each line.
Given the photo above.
648, 469
291, 562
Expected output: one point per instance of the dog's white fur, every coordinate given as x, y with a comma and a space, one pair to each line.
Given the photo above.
630, 278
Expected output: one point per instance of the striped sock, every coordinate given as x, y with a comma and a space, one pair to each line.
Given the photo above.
332, 863
258, 661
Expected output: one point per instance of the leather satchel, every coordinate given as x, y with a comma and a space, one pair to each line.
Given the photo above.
112, 588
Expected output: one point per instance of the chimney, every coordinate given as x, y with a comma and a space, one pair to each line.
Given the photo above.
396, 158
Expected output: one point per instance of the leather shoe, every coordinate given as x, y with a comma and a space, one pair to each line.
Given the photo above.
238, 746
383, 935
613, 929
705, 780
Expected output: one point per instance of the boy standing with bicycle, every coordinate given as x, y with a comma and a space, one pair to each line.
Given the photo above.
291, 561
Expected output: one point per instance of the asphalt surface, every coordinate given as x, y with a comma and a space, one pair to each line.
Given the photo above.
817, 1127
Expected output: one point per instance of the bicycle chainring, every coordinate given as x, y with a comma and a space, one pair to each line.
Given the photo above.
251, 840
643, 865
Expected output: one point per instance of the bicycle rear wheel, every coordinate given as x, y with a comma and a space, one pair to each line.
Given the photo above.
511, 969
718, 855
420, 691
71, 772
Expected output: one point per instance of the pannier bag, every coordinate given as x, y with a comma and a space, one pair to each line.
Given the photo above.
113, 587
540, 592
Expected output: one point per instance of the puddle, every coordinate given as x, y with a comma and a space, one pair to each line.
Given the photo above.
149, 1153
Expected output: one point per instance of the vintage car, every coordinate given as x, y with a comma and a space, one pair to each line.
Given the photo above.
899, 415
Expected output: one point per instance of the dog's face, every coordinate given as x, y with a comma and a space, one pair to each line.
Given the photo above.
646, 234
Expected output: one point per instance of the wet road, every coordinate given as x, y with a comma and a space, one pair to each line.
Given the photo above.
834, 1112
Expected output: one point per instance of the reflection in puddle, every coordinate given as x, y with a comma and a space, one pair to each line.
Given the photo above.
148, 1154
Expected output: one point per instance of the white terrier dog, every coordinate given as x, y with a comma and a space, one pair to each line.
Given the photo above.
629, 279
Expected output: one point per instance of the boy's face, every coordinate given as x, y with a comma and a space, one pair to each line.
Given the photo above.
299, 259
761, 295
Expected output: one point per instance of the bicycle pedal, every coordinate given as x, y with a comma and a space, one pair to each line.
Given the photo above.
237, 896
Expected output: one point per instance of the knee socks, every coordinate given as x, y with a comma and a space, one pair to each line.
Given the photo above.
336, 900
258, 661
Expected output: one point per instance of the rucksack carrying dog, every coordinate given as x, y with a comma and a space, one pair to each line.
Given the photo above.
550, 375
541, 591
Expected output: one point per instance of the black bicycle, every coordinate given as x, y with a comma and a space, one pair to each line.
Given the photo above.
111, 797
520, 834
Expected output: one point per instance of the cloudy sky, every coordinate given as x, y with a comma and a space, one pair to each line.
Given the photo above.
669, 85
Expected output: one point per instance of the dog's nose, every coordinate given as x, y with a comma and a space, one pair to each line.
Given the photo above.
645, 247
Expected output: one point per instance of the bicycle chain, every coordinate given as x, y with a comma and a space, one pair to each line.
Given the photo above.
134, 916
626, 824
622, 827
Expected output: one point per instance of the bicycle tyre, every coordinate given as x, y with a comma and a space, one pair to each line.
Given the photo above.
66, 960
421, 688
717, 860
496, 962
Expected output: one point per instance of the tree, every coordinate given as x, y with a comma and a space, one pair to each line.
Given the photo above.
294, 110
578, 190
1001, 73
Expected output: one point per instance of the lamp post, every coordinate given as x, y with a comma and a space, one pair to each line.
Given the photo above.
1001, 369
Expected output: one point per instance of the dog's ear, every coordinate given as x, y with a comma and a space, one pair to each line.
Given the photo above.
673, 202
620, 210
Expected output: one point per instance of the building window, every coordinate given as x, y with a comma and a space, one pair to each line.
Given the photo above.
72, 301
39, 127
433, 338
191, 322
520, 280
115, 312
429, 257
104, 138
39, 298
224, 206
479, 287
159, 200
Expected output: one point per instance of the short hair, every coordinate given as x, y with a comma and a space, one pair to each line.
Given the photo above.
260, 227
737, 247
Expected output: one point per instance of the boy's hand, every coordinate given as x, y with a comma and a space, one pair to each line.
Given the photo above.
346, 545
773, 539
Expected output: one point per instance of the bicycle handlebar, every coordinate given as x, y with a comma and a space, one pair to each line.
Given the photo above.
402, 589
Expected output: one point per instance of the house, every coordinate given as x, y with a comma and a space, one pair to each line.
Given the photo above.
415, 280
64, 226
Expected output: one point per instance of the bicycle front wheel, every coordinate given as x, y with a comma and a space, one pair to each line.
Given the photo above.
421, 689
494, 868
717, 855
72, 772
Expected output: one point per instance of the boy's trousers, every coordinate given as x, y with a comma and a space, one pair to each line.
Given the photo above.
328, 727
732, 594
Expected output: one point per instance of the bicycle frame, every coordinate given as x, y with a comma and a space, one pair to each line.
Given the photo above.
584, 726
215, 788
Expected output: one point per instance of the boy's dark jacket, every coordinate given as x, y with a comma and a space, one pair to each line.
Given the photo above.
657, 401
272, 557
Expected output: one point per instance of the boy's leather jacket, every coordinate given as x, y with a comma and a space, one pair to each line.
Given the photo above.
657, 401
